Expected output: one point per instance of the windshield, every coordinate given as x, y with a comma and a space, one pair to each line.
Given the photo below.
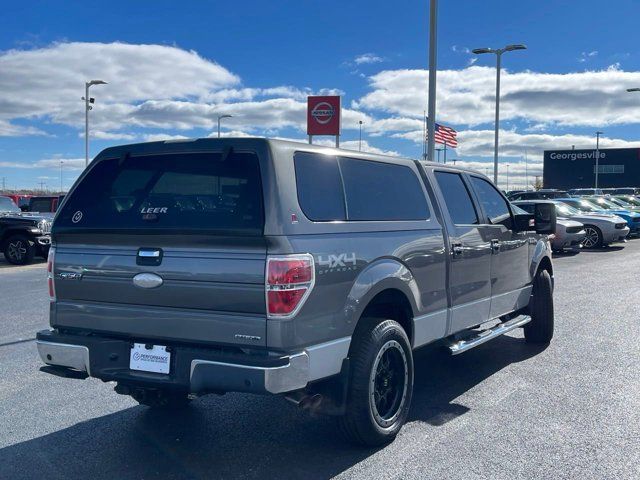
620, 202
604, 203
631, 200
564, 210
583, 205
7, 205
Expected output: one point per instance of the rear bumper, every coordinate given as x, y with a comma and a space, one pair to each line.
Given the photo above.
196, 370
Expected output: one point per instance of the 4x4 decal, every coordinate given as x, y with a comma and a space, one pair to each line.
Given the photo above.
336, 263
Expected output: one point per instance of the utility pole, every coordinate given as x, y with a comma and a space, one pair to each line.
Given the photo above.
433, 68
4, 183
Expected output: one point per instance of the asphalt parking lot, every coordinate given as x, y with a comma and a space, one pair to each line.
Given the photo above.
503, 410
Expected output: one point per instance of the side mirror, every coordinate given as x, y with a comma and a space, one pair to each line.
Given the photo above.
545, 218
523, 222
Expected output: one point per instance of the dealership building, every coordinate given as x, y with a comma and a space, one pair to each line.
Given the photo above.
617, 167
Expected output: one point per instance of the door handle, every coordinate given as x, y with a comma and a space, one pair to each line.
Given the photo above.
495, 245
456, 249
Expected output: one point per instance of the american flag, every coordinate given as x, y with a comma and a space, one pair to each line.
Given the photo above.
446, 135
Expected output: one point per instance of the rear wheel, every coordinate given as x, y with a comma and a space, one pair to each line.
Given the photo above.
19, 250
593, 237
540, 328
380, 383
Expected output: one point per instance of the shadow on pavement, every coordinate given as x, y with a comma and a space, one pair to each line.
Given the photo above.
243, 436
4, 264
607, 249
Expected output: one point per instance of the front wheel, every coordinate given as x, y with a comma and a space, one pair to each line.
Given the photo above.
540, 328
380, 383
19, 250
593, 237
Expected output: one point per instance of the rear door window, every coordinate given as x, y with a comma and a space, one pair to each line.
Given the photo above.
319, 187
174, 192
457, 198
382, 191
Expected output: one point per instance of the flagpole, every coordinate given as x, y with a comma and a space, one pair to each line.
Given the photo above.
445, 152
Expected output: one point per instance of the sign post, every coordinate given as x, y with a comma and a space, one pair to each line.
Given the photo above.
323, 116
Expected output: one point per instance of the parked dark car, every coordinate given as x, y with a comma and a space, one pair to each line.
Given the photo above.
22, 236
544, 194
252, 265
45, 204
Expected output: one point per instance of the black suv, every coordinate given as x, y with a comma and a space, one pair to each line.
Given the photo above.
23, 236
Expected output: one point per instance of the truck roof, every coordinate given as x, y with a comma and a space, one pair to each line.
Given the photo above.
203, 144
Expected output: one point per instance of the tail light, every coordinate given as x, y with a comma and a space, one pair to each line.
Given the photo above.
289, 280
50, 265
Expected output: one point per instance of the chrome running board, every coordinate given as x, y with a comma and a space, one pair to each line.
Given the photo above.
485, 335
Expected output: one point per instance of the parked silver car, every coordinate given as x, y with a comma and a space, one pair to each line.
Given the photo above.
600, 228
569, 233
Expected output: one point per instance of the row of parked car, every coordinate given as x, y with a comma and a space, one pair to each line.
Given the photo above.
587, 218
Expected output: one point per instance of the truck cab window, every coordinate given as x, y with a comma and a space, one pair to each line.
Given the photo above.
457, 198
495, 206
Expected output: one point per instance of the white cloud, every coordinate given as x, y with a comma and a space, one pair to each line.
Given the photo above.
48, 82
8, 129
466, 97
368, 58
161, 137
109, 135
585, 56
54, 163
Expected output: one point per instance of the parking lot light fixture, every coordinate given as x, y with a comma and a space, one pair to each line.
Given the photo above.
633, 89
498, 53
220, 117
87, 107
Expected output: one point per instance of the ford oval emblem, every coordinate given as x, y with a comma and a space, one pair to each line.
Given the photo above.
147, 280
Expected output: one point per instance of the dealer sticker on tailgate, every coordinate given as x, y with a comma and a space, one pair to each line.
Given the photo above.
155, 359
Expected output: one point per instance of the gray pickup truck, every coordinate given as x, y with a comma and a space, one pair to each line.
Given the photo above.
185, 268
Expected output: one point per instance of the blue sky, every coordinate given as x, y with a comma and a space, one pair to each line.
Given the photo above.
173, 66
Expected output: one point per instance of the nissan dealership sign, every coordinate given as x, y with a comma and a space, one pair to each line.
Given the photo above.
323, 115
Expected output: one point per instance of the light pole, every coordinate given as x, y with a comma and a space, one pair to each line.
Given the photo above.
526, 171
507, 177
498, 52
597, 156
61, 162
360, 136
87, 107
220, 117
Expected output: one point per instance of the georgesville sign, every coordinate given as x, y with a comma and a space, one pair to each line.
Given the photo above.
323, 115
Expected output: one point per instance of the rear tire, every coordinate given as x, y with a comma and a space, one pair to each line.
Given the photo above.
19, 250
380, 383
540, 328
